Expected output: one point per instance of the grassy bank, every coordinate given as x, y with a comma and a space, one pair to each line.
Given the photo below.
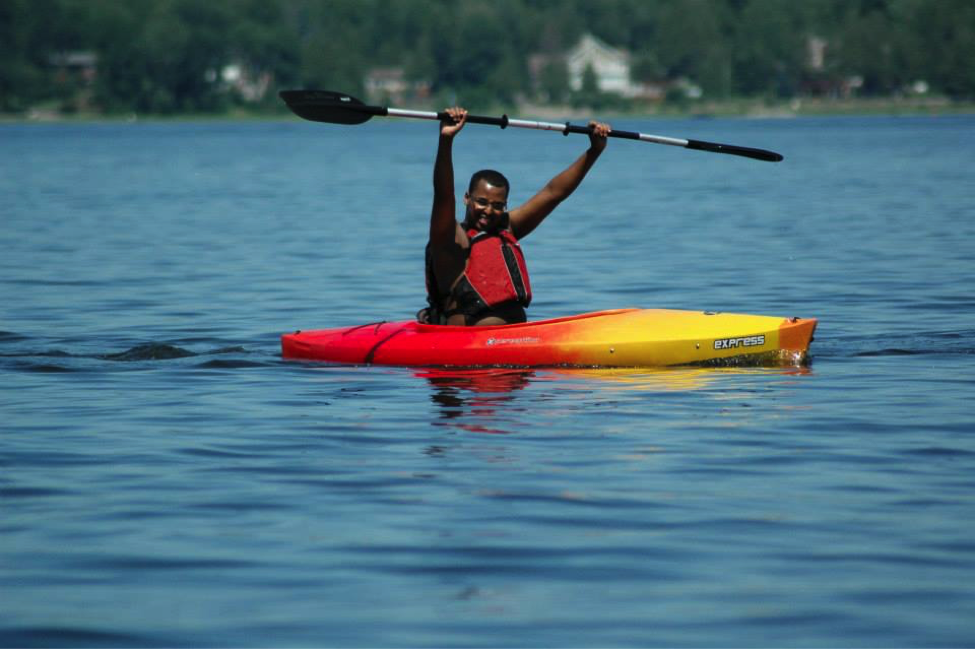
750, 107
737, 107
820, 107
43, 116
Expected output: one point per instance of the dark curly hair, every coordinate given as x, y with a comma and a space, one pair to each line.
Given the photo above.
491, 177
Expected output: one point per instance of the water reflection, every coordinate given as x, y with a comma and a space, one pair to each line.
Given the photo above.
474, 392
489, 400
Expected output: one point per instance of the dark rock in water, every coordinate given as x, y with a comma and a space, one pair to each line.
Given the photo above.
229, 350
149, 352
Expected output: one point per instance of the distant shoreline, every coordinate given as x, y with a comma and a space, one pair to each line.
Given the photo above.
741, 107
758, 108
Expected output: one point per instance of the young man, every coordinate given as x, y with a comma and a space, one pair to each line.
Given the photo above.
476, 272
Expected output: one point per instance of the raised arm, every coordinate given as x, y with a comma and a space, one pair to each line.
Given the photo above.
443, 222
527, 217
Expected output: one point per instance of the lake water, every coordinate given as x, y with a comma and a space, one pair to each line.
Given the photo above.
167, 480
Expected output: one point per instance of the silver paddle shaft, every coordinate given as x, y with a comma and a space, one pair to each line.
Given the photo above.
565, 128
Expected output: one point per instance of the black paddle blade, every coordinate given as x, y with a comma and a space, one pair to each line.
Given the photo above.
731, 149
328, 106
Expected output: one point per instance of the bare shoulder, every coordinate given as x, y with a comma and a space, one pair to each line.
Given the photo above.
452, 247
460, 237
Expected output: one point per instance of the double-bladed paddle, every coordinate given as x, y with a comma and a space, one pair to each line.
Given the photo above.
339, 108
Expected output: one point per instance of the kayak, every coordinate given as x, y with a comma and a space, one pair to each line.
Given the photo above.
617, 338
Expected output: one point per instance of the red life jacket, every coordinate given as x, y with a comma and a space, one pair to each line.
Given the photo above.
496, 273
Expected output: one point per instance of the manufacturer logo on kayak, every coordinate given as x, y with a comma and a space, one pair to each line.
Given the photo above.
734, 343
512, 341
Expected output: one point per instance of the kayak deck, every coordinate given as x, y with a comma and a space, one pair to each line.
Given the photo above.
617, 338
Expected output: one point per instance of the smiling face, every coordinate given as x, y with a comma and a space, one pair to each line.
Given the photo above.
487, 206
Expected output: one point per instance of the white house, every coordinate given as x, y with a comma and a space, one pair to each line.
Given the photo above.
611, 65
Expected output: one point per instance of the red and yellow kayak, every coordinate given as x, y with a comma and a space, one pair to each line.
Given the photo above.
617, 338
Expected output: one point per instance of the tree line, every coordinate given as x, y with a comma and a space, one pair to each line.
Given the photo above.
171, 56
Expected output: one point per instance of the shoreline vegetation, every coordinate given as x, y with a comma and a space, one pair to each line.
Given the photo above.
104, 60
732, 107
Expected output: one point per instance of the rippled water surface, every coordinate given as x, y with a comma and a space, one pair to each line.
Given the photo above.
166, 479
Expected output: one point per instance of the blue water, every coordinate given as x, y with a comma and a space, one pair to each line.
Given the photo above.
167, 480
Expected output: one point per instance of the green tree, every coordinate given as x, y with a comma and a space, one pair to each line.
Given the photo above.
554, 81
646, 67
869, 45
166, 59
692, 42
166, 56
589, 94
124, 73
769, 48
945, 32
18, 73
481, 65
332, 51
33, 33
262, 41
